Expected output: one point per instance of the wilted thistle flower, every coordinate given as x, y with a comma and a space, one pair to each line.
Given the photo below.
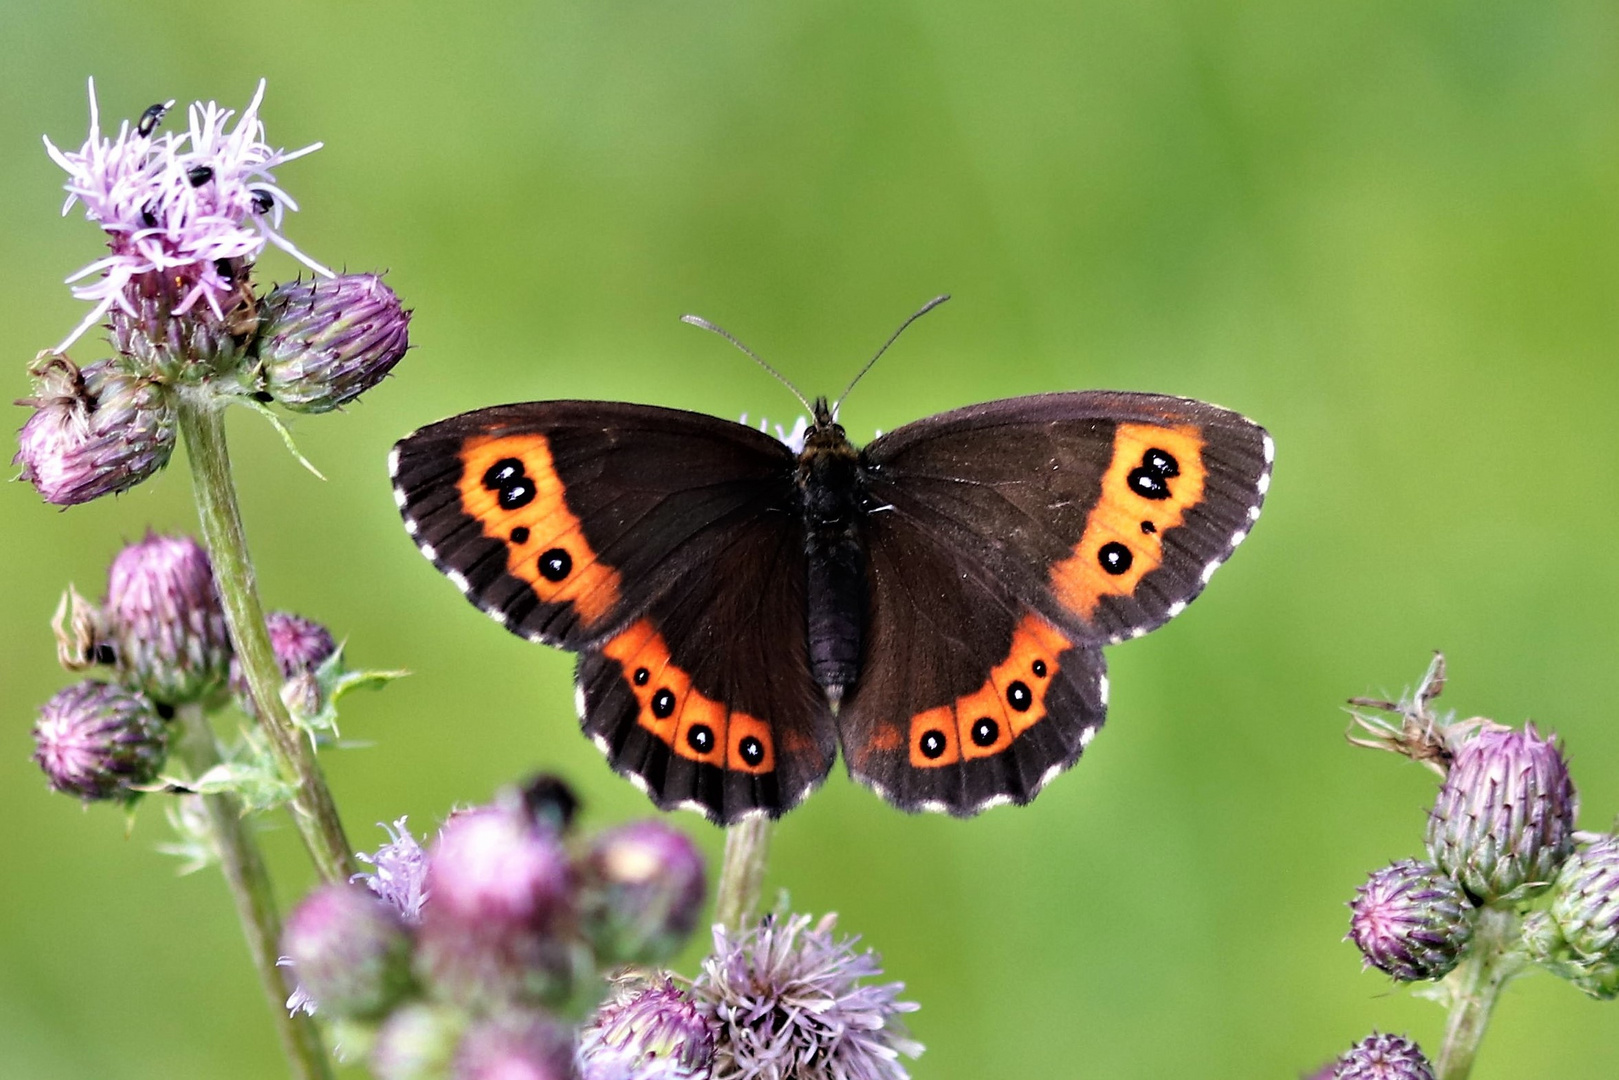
1384, 1057
324, 343
399, 872
789, 1004
644, 886
165, 619
185, 215
514, 1046
94, 432
351, 951
96, 740
647, 1033
301, 646
1411, 921
1504, 819
499, 901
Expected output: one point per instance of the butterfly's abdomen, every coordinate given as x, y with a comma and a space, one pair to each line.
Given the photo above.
832, 492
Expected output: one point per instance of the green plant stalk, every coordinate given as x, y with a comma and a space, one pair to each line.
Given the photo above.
202, 425
742, 874
1475, 986
249, 883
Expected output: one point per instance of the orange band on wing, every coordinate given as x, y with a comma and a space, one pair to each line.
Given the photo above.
693, 725
510, 486
1010, 702
1155, 477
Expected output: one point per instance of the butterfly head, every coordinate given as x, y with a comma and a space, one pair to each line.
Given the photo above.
825, 435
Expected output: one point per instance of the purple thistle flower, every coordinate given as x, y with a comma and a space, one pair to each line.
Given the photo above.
351, 952
1411, 921
1384, 1057
178, 208
164, 616
96, 431
644, 887
789, 1004
95, 740
1504, 819
301, 646
324, 343
500, 895
514, 1046
399, 874
648, 1033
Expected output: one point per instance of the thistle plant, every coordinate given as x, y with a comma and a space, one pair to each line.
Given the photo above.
1509, 884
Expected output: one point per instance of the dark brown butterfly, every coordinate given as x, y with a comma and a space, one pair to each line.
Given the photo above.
934, 602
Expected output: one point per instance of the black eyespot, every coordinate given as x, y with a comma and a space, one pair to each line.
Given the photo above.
517, 494
663, 703
1148, 484
199, 174
556, 564
263, 201
700, 737
932, 744
502, 473
1114, 557
1148, 527
149, 120
520, 534
985, 731
1161, 462
751, 749
641, 676
1039, 669
1018, 696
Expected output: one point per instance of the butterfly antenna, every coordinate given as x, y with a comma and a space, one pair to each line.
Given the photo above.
921, 311
698, 320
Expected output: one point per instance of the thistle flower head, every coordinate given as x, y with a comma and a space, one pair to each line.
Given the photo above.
323, 343
514, 1046
1384, 1057
301, 646
164, 615
94, 431
1504, 819
651, 1032
184, 211
644, 886
399, 872
96, 740
1411, 921
789, 1001
351, 951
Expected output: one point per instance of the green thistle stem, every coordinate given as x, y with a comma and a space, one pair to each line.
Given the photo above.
202, 425
742, 874
249, 883
1474, 987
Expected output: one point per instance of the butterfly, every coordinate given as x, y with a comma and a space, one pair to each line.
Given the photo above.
934, 603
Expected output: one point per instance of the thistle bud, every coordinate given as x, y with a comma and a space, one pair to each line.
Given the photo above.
98, 740
325, 342
644, 886
94, 432
301, 646
1585, 899
164, 616
1411, 921
1504, 820
644, 1027
415, 1043
498, 899
514, 1046
1384, 1057
351, 951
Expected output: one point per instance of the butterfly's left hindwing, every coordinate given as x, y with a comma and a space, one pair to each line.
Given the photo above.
646, 539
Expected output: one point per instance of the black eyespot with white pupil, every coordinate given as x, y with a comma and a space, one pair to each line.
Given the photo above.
985, 731
1019, 697
1150, 478
1039, 669
751, 749
520, 535
700, 737
663, 703
1114, 557
556, 564
641, 676
932, 744
509, 480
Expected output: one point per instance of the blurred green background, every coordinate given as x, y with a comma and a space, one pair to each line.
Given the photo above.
1387, 231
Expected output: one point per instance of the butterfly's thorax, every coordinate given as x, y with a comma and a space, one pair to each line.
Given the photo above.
832, 495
